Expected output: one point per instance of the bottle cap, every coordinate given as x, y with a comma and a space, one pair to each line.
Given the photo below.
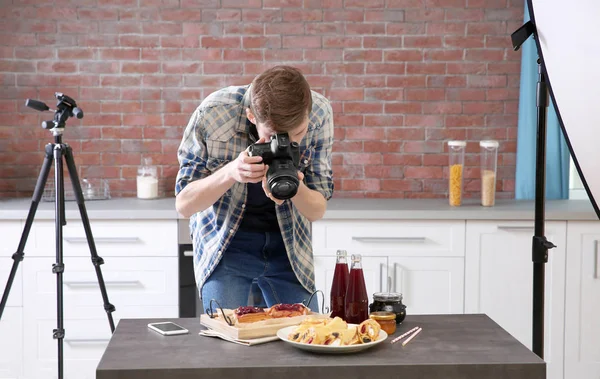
457, 143
488, 143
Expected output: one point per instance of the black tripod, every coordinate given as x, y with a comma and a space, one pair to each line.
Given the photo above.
65, 108
540, 244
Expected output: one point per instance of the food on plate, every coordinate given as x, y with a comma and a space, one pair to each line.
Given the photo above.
333, 332
249, 314
368, 330
287, 310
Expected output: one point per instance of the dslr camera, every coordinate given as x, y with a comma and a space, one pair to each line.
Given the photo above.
283, 158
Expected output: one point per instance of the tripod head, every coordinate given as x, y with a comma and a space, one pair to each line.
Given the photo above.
65, 107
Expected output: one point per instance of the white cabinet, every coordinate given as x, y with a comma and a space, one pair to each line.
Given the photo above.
429, 285
499, 281
582, 305
423, 260
140, 273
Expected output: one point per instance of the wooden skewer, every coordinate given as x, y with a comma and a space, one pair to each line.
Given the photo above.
404, 335
411, 337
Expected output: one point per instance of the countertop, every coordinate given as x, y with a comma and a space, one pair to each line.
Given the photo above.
470, 346
424, 209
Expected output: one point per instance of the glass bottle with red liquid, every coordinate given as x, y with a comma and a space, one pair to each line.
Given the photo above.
357, 300
339, 286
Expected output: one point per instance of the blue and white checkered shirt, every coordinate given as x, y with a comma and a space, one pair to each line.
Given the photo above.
217, 132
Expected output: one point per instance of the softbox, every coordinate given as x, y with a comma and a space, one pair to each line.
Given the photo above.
568, 43
567, 37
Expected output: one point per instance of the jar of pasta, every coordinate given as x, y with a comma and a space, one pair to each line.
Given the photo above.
489, 160
456, 151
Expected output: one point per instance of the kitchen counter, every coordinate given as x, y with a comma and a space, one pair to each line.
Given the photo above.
428, 209
450, 346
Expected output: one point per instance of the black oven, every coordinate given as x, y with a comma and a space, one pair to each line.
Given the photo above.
189, 301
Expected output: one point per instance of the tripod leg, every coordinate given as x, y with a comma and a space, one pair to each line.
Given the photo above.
37, 196
96, 260
59, 267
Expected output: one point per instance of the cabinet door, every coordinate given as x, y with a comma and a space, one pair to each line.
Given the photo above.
582, 325
499, 282
429, 285
11, 343
374, 269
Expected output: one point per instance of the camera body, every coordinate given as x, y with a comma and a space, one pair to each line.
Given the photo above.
283, 158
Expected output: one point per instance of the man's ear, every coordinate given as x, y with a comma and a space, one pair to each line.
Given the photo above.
250, 116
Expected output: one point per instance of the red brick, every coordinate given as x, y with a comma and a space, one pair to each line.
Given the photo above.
424, 41
423, 14
121, 81
446, 28
343, 15
282, 3
179, 41
142, 67
362, 107
346, 42
500, 120
406, 108
384, 16
136, 146
202, 55
442, 107
483, 107
118, 54
36, 80
139, 41
433, 94
348, 120
424, 120
401, 185
444, 55
263, 15
487, 81
242, 55
346, 94
323, 55
501, 42
464, 42
464, 121
363, 55
460, 94
97, 14
345, 172
348, 146
503, 14
365, 81
486, 4
446, 3
504, 68
406, 81
386, 68
478, 28
383, 94
435, 159
344, 68
364, 28
425, 68
179, 15
423, 147
44, 66
483, 133
284, 55
365, 133
446, 134
323, 28
465, 68
360, 185
464, 15
403, 55
142, 120
221, 42
241, 3
484, 55
301, 42
402, 29
299, 15
384, 120
33, 53
212, 15
244, 29
422, 172
364, 159
404, 134
384, 172
122, 133
382, 146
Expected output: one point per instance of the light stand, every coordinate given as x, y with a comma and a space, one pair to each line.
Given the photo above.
540, 245
66, 107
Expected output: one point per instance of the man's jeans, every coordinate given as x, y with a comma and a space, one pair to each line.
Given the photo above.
254, 270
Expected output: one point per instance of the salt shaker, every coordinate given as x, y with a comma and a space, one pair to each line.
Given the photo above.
147, 180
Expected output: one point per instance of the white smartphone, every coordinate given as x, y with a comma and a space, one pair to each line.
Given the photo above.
167, 328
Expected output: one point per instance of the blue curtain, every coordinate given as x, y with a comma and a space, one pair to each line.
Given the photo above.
557, 152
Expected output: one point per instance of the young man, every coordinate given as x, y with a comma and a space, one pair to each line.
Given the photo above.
250, 248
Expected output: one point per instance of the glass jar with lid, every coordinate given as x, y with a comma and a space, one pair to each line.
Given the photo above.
389, 302
147, 180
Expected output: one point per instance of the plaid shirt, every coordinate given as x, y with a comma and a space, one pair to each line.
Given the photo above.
217, 132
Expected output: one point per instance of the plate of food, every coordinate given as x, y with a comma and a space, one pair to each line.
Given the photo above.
332, 335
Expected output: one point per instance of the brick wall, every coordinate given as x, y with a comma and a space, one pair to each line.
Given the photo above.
403, 75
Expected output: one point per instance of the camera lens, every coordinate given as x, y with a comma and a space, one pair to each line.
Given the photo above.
284, 188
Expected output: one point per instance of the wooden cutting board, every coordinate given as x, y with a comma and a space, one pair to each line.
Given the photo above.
266, 328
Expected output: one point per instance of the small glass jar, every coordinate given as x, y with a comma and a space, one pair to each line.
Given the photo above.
389, 302
456, 152
489, 161
387, 321
147, 180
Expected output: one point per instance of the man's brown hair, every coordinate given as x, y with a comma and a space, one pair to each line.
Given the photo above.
280, 98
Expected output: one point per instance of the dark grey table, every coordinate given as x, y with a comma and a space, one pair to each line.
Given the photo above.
449, 347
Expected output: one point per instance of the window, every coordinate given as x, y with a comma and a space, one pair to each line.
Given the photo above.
576, 189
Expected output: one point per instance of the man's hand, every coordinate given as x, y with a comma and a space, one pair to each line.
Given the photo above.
247, 169
270, 195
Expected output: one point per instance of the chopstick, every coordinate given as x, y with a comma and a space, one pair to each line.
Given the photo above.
412, 336
405, 334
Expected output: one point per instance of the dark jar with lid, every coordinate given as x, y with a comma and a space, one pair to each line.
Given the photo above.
389, 302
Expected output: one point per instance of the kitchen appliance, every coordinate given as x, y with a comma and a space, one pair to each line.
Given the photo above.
190, 304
